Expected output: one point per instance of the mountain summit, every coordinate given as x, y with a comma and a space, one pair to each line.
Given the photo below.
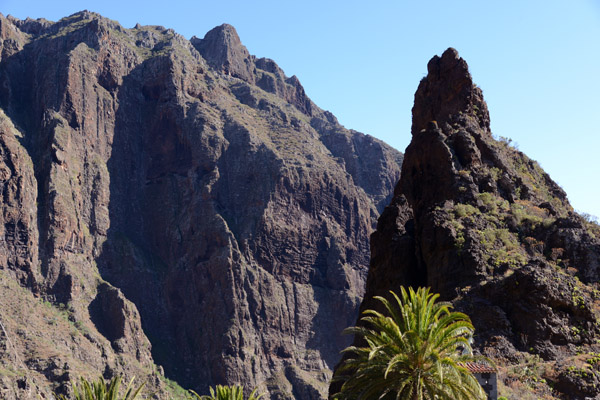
225, 53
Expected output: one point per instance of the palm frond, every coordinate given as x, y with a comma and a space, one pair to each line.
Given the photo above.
223, 392
98, 390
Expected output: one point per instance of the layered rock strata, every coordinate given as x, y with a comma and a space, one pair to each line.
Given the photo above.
174, 203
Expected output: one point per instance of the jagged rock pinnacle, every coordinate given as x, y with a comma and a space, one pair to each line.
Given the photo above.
447, 93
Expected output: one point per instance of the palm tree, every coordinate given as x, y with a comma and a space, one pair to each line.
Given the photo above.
221, 392
415, 352
99, 391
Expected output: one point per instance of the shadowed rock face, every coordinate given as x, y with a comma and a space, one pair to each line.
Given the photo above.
486, 227
176, 195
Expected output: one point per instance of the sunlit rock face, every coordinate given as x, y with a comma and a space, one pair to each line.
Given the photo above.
175, 203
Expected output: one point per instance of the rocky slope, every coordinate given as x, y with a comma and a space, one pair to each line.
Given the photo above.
174, 203
485, 226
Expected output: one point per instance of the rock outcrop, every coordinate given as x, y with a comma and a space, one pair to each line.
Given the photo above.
174, 203
483, 225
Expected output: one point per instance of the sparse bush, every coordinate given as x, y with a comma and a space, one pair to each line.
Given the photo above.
495, 173
508, 142
502, 247
530, 371
464, 173
589, 217
592, 223
488, 200
464, 210
594, 360
459, 242
530, 216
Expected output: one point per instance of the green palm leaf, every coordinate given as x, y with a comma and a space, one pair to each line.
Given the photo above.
221, 392
100, 391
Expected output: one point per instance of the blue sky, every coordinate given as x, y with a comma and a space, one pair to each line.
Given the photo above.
538, 62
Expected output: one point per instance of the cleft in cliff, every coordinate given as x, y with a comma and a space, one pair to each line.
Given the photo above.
482, 224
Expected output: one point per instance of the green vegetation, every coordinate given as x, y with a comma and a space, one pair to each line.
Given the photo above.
577, 297
507, 142
530, 371
502, 246
234, 392
175, 391
11, 372
414, 351
67, 313
584, 372
508, 232
525, 381
465, 210
65, 29
460, 241
100, 391
591, 223
529, 216
594, 359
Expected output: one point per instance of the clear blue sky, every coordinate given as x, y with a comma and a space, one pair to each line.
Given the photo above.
538, 62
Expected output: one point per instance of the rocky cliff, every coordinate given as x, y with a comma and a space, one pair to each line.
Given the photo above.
481, 223
174, 208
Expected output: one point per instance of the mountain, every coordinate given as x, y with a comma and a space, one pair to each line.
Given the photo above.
483, 225
174, 210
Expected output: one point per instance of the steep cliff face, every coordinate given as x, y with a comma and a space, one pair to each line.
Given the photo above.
174, 202
485, 226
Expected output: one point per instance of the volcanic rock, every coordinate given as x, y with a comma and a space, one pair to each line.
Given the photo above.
225, 53
174, 206
483, 225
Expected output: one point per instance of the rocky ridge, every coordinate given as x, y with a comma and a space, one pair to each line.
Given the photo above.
481, 223
174, 209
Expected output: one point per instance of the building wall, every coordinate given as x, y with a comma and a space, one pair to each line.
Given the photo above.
489, 384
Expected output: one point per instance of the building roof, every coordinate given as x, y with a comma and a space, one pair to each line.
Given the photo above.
479, 368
